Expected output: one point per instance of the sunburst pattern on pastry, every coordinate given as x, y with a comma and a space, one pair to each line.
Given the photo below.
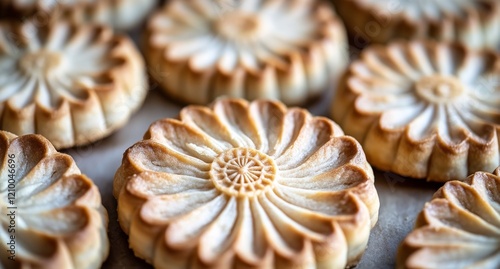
120, 14
73, 84
287, 50
423, 109
246, 185
52, 215
472, 22
459, 228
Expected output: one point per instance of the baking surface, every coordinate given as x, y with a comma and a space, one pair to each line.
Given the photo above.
400, 199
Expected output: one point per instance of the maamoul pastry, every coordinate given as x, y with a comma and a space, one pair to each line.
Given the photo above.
246, 185
73, 84
473, 22
120, 14
52, 215
423, 109
285, 49
459, 228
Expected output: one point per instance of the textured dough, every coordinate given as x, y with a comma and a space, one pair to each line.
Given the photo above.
246, 185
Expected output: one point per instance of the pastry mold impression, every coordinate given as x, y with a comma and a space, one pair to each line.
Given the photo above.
423, 109
74, 84
286, 50
459, 228
119, 14
51, 214
474, 23
239, 184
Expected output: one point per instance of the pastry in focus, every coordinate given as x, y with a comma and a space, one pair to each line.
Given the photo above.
289, 50
459, 228
52, 215
423, 109
119, 14
475, 23
246, 185
74, 84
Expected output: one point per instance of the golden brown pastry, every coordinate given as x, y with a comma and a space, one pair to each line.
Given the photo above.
74, 84
120, 14
423, 109
459, 228
246, 185
475, 23
285, 49
52, 215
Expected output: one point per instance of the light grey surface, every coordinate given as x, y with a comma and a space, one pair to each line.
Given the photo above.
400, 199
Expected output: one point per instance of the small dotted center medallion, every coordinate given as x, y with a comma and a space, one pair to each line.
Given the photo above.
243, 172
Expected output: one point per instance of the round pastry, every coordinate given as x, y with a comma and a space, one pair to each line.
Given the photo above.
120, 14
289, 50
52, 215
246, 185
459, 228
73, 84
423, 109
472, 22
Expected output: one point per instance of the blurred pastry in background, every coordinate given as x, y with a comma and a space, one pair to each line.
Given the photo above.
72, 83
120, 14
459, 228
423, 109
475, 23
198, 50
52, 216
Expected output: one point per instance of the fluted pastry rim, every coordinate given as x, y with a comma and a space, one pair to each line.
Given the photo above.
328, 40
451, 229
59, 219
399, 70
82, 102
134, 181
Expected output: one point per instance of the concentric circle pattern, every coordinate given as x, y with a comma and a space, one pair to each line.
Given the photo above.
246, 185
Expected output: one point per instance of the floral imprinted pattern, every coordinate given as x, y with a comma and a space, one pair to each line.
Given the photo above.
50, 212
288, 50
423, 109
240, 185
71, 83
459, 228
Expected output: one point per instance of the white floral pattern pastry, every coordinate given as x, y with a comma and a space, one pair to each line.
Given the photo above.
459, 228
73, 84
423, 109
246, 185
120, 14
475, 23
286, 49
52, 215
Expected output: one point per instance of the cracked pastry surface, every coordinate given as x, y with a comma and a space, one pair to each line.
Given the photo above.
423, 109
120, 14
58, 221
246, 185
459, 228
287, 50
475, 23
73, 84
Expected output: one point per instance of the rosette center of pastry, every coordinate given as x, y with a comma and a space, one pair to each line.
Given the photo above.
439, 89
237, 25
40, 62
243, 172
